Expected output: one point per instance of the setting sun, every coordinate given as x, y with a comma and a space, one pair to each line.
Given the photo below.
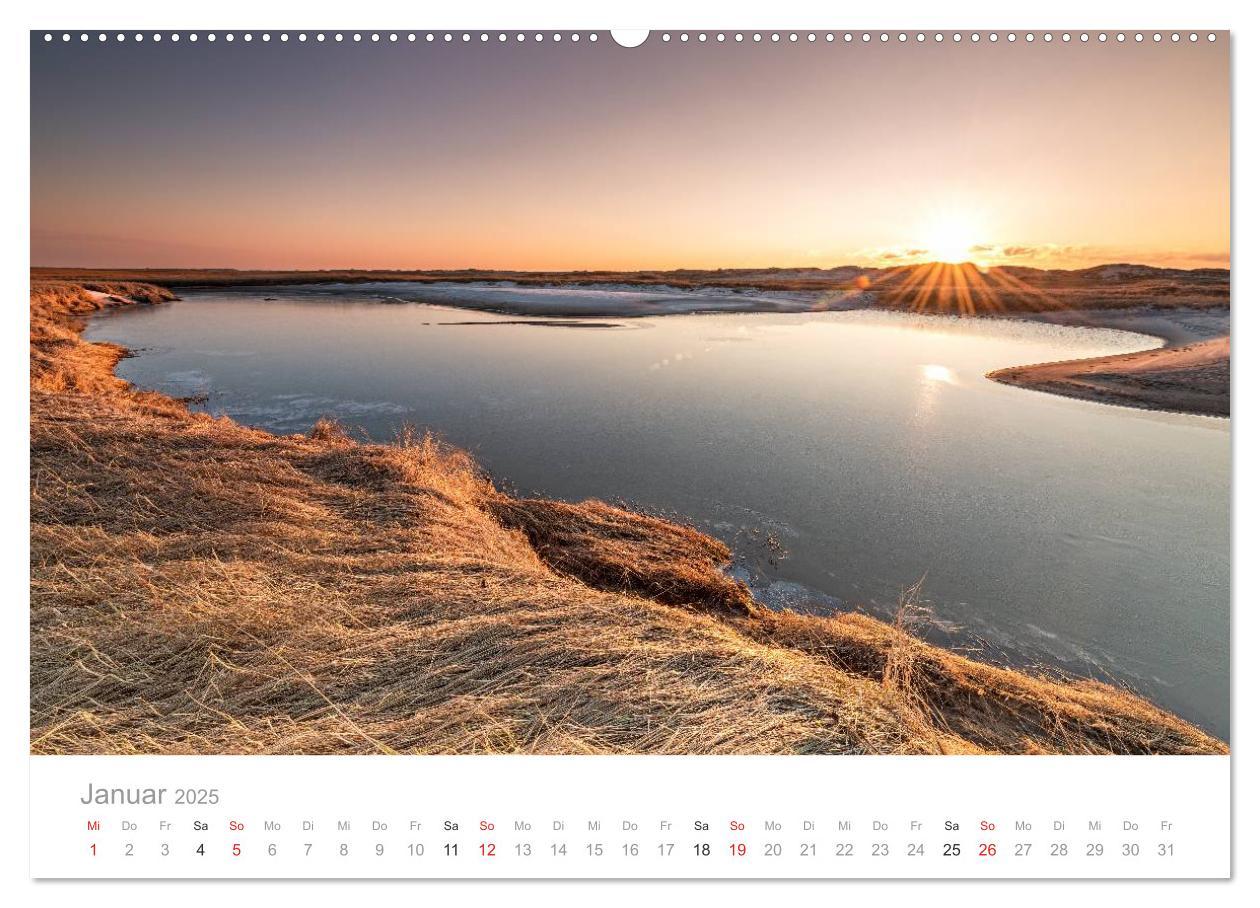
951, 238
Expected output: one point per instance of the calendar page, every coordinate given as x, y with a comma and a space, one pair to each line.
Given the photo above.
571, 453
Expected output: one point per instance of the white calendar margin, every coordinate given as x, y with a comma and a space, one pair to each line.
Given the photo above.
1076, 14
357, 804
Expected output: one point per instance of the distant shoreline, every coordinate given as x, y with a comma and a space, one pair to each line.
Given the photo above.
1011, 289
1188, 309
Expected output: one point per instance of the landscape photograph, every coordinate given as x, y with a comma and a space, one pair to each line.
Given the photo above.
792, 394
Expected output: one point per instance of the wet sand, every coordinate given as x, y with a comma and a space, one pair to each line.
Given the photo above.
1187, 378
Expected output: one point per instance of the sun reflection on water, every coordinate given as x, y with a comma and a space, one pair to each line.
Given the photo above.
936, 373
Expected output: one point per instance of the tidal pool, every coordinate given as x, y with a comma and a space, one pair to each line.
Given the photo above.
844, 455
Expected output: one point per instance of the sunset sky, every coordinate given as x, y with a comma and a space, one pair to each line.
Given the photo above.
580, 156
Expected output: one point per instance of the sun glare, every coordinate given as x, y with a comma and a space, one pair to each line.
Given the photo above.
938, 373
951, 238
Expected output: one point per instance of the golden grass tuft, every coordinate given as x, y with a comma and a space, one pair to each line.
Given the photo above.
201, 587
612, 549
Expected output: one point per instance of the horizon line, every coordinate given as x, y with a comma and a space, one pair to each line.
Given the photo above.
645, 270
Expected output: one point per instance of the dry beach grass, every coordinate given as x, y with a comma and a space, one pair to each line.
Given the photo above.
201, 587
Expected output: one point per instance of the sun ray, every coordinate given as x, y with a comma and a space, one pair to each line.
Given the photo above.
938, 273
963, 289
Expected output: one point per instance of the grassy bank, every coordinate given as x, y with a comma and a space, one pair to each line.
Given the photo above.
201, 587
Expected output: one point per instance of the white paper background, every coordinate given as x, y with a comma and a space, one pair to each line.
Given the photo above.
573, 14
